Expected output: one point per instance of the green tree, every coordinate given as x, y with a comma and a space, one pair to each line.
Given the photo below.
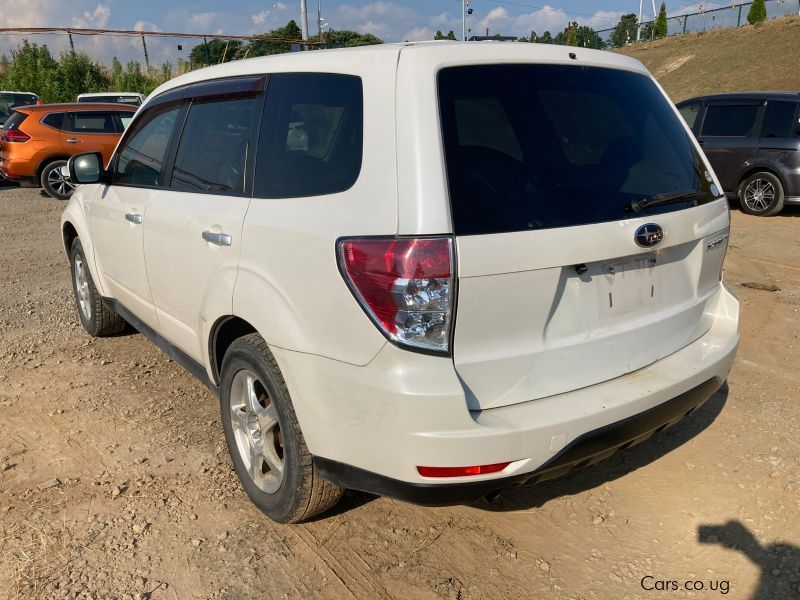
214, 52
451, 35
77, 74
757, 13
348, 39
624, 31
661, 28
546, 38
438, 35
586, 37
571, 34
267, 44
32, 69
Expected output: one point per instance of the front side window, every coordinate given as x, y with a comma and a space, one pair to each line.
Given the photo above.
214, 146
779, 119
542, 146
91, 122
140, 160
311, 135
730, 120
689, 113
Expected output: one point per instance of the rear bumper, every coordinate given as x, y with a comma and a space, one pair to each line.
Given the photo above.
370, 427
589, 448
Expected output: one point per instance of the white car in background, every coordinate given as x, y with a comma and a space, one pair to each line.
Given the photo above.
476, 265
116, 97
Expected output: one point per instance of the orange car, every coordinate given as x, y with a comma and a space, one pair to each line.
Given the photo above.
36, 141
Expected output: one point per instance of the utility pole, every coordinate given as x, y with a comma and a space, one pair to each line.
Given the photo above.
639, 24
463, 20
319, 20
304, 20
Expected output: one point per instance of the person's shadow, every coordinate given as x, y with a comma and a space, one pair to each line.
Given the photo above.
779, 562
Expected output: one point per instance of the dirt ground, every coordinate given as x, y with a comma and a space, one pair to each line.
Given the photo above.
115, 480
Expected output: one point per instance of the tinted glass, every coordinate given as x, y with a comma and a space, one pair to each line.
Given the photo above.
779, 119
214, 146
54, 120
91, 122
542, 146
731, 120
689, 113
15, 120
9, 100
115, 99
141, 158
311, 135
125, 119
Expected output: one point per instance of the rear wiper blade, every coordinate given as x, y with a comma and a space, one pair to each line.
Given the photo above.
662, 199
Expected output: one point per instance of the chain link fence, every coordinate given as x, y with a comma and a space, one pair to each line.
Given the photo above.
55, 63
734, 15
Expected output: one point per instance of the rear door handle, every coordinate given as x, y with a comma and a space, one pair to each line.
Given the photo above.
218, 239
72, 140
133, 218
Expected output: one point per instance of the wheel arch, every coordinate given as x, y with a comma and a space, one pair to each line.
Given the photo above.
68, 234
224, 332
46, 161
759, 168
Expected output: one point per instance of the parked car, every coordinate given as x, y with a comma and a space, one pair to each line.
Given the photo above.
484, 265
10, 100
114, 97
753, 142
36, 141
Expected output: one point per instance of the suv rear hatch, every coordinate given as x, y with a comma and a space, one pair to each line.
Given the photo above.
544, 163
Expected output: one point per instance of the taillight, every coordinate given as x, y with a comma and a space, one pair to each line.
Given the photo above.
405, 285
14, 135
461, 471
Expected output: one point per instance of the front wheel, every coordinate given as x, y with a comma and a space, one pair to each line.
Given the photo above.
55, 182
761, 195
266, 445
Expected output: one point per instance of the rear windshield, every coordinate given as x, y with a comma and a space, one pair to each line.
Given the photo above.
9, 101
15, 120
543, 146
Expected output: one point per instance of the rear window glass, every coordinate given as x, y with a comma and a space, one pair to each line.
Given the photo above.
689, 113
730, 120
542, 146
311, 135
15, 120
135, 100
54, 120
9, 101
779, 121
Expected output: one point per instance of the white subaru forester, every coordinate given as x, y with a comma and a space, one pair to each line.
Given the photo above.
424, 270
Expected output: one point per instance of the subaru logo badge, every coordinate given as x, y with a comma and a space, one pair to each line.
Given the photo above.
649, 235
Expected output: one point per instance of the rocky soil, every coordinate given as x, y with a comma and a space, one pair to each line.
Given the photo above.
115, 480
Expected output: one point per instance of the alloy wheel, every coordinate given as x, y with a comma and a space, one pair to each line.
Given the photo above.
759, 195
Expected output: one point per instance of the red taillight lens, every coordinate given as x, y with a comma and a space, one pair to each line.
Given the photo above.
14, 135
406, 286
461, 471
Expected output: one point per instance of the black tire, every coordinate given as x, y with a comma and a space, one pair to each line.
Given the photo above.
298, 492
54, 183
761, 195
97, 318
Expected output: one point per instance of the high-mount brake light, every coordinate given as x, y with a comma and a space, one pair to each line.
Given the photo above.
405, 285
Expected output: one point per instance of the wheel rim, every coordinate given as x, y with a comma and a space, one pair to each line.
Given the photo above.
82, 287
759, 194
259, 440
58, 182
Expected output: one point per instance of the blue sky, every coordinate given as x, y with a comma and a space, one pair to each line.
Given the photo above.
389, 20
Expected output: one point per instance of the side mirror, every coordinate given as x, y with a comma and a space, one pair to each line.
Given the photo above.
86, 168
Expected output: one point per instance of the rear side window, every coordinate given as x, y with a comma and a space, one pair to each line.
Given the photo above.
730, 120
542, 146
15, 120
140, 159
311, 135
779, 119
91, 122
214, 146
689, 113
54, 120
125, 119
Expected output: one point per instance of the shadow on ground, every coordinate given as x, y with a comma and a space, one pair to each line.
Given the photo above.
779, 562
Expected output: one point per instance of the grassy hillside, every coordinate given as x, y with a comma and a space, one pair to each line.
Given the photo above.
725, 60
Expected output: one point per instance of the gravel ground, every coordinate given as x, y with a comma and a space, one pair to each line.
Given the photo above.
115, 480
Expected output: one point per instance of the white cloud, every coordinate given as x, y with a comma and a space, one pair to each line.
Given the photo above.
145, 26
547, 18
419, 34
97, 18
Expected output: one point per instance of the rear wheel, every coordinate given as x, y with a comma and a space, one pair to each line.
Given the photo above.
761, 195
266, 445
55, 182
96, 317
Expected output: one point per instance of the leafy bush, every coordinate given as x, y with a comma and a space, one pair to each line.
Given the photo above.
757, 13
